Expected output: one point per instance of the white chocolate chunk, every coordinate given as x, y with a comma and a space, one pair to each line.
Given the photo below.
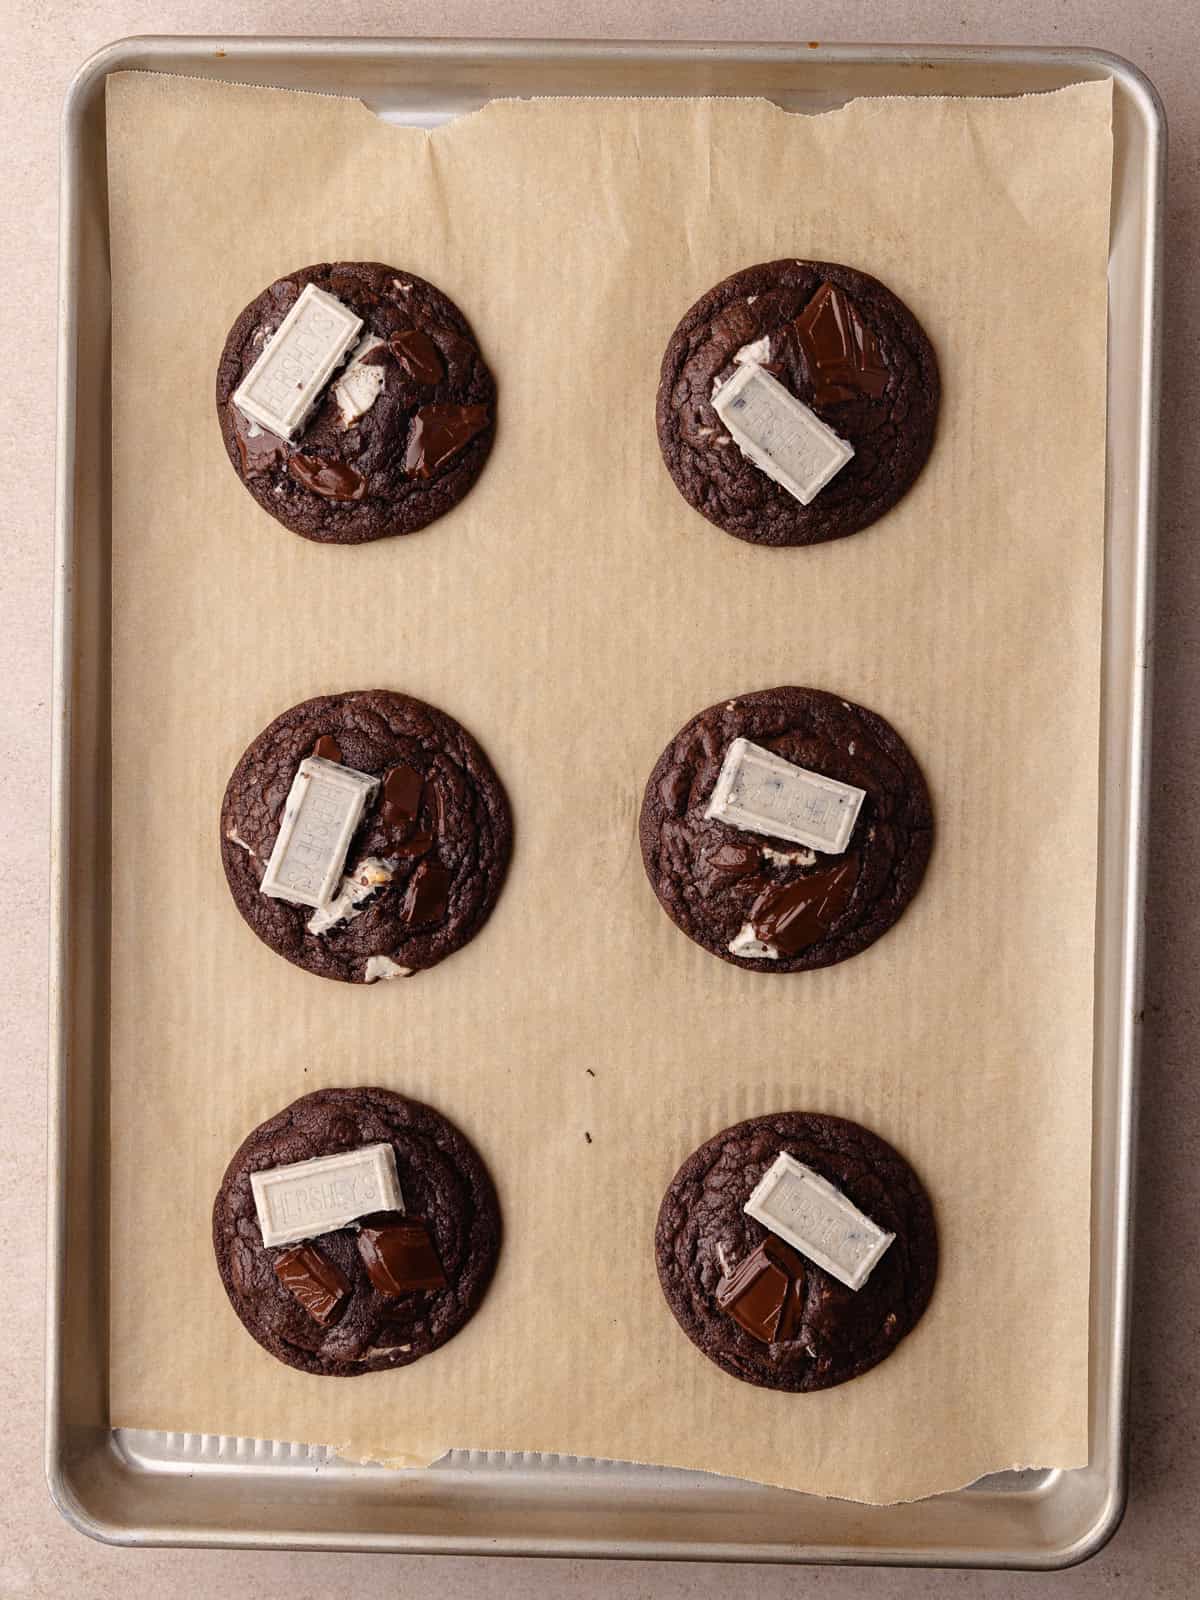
816, 1218
384, 967
357, 886
308, 1198
750, 947
779, 433
762, 793
285, 383
358, 388
324, 807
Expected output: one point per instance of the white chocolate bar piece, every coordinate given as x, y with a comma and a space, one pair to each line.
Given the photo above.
323, 808
762, 793
309, 1198
814, 1217
287, 380
779, 433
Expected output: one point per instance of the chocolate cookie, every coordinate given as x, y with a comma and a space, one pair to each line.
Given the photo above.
756, 1304
401, 426
381, 1291
834, 339
832, 834
425, 863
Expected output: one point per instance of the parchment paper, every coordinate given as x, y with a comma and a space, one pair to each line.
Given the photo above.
573, 612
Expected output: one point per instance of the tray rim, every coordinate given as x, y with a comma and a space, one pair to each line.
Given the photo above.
158, 52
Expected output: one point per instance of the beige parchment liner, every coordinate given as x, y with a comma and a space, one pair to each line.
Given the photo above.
573, 612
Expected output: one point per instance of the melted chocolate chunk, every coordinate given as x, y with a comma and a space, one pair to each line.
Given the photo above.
334, 480
399, 1255
843, 354
439, 432
319, 1284
415, 845
724, 863
791, 916
260, 451
428, 894
765, 1294
402, 790
327, 748
418, 355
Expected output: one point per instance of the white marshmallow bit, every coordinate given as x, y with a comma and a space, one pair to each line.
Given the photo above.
358, 388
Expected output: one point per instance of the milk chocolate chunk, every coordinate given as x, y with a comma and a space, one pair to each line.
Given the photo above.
259, 450
843, 354
791, 916
428, 894
402, 789
327, 748
438, 433
399, 1255
418, 355
319, 1284
333, 480
765, 1293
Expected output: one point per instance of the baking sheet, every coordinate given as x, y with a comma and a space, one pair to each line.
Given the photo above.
573, 612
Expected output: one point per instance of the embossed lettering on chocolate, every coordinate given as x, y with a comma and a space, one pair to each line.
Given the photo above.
754, 896
840, 343
400, 428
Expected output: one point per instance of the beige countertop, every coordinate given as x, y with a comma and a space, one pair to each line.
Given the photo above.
1157, 1550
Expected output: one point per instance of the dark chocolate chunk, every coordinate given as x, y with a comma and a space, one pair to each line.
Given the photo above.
319, 1284
428, 894
415, 845
418, 355
791, 916
724, 863
765, 1293
327, 748
843, 354
439, 432
402, 789
399, 1255
333, 480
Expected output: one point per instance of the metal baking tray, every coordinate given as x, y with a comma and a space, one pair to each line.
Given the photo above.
176, 1489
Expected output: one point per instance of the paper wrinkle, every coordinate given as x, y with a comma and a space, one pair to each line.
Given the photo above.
574, 612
